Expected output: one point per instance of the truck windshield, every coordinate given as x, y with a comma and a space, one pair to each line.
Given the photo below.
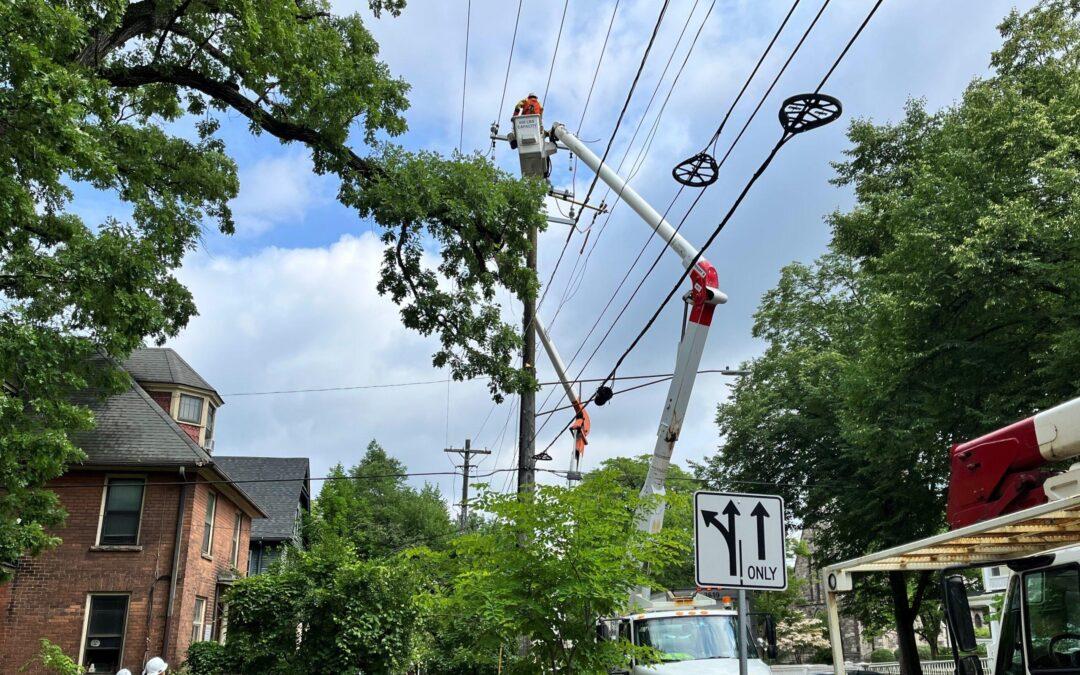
686, 638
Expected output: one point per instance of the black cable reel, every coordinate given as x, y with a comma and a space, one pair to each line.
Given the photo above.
803, 112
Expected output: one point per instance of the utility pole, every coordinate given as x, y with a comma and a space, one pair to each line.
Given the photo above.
527, 425
466, 453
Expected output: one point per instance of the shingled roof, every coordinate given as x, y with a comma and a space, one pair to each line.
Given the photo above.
164, 365
132, 429
285, 483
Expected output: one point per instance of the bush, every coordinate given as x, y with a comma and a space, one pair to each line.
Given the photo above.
881, 655
207, 658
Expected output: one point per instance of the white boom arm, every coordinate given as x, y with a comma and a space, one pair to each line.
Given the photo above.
580, 426
703, 298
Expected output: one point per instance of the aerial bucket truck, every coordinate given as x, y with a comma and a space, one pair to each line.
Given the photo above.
694, 632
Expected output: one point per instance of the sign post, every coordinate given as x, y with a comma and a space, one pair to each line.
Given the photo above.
739, 543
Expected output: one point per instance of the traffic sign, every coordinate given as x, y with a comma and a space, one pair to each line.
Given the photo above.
739, 541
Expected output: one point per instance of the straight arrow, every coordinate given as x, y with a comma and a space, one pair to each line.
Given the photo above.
761, 514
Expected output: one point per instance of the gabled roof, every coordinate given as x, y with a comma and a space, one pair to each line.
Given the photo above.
163, 365
278, 484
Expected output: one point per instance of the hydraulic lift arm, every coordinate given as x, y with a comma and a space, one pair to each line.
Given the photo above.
581, 425
703, 296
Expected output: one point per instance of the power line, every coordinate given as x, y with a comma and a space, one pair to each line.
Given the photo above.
746, 189
558, 39
678, 42
611, 138
600, 61
697, 199
509, 60
465, 74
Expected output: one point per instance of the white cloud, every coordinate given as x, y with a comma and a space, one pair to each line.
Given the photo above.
276, 190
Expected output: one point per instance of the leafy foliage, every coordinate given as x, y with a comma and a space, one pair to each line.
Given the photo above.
324, 611
629, 473
124, 98
371, 507
947, 305
54, 660
548, 567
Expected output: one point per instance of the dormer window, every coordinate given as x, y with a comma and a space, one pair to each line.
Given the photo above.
190, 410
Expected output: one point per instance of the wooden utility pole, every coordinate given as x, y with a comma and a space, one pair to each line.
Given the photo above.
527, 426
466, 453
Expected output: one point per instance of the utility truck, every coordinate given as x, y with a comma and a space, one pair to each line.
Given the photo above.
694, 633
1005, 508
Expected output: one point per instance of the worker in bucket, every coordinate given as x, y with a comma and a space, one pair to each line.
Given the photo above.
530, 105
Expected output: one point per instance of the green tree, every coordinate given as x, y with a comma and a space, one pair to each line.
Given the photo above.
373, 508
548, 567
325, 611
947, 305
125, 97
629, 473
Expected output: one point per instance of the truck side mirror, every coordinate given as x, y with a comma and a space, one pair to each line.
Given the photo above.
961, 628
770, 636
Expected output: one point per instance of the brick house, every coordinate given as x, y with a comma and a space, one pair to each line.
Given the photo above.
282, 486
156, 530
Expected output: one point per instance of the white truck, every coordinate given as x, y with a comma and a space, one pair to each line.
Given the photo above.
1006, 510
695, 633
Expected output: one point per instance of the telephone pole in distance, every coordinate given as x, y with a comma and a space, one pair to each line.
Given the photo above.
466, 453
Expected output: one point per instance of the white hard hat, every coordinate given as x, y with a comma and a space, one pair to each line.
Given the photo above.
123, 671
155, 666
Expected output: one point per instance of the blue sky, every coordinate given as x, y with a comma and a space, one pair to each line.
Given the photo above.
289, 301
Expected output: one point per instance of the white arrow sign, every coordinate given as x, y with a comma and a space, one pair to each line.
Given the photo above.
739, 541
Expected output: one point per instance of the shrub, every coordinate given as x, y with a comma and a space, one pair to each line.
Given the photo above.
207, 658
881, 655
54, 660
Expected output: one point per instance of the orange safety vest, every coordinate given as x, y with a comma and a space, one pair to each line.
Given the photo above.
528, 106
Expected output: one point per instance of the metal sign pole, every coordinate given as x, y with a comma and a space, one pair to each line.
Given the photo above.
744, 634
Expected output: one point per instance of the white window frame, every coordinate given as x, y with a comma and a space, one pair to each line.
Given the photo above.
238, 524
202, 409
199, 619
101, 509
207, 545
86, 624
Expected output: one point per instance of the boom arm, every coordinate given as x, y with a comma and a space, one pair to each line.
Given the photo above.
703, 297
580, 426
1001, 472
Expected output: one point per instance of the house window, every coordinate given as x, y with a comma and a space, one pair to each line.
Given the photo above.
103, 644
234, 554
210, 412
120, 511
198, 623
995, 571
208, 523
190, 409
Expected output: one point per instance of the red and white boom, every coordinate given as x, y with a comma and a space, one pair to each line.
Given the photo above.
1001, 472
703, 296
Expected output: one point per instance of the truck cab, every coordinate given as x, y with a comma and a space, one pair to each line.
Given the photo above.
1040, 618
696, 634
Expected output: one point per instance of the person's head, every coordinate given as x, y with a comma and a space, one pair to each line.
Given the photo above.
532, 96
155, 666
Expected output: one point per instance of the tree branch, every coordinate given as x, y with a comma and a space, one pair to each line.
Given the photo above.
137, 76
